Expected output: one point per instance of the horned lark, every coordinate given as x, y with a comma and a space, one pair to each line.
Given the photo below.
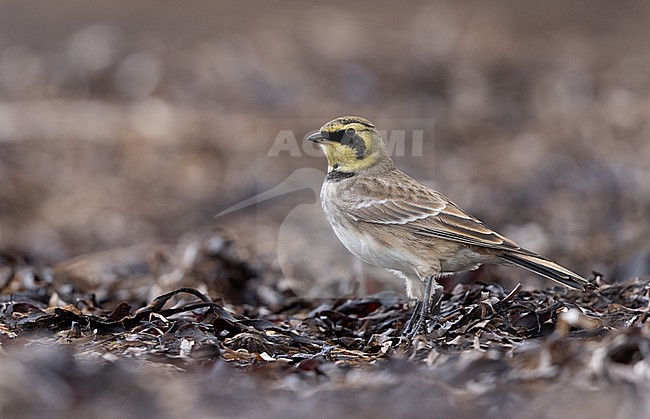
390, 220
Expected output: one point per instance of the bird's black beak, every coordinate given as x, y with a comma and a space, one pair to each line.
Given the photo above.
317, 138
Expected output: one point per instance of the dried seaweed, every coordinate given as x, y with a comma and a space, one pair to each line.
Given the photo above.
484, 345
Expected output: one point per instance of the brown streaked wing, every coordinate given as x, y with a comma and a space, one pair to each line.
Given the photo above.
382, 204
424, 212
454, 224
391, 211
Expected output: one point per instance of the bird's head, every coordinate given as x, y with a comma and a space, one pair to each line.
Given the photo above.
351, 144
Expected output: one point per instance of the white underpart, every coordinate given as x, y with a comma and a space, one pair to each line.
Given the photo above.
372, 252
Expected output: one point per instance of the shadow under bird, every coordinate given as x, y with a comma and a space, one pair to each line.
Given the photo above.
390, 220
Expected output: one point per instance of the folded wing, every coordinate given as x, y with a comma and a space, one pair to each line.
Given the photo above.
423, 212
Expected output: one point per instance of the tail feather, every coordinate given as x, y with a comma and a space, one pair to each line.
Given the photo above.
548, 269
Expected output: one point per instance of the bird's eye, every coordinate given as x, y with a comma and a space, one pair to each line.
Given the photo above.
349, 136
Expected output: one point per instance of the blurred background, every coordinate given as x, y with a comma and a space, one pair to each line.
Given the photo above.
136, 124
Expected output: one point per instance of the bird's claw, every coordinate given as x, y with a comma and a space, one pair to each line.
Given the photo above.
422, 310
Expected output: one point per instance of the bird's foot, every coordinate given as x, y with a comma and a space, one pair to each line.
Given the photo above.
414, 323
429, 307
436, 298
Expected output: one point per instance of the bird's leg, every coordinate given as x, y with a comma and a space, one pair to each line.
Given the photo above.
436, 298
409, 324
414, 325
